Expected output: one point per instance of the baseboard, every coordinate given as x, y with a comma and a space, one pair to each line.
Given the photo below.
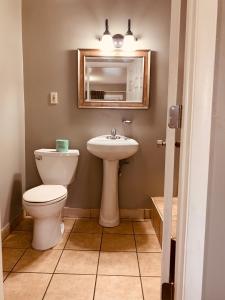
133, 214
5, 231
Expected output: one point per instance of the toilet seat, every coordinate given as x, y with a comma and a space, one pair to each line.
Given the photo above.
45, 194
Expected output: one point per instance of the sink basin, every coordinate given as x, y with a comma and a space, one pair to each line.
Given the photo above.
109, 148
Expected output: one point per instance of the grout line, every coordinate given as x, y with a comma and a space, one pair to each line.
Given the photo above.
155, 251
58, 262
11, 271
30, 272
98, 265
82, 250
6, 276
152, 276
74, 225
82, 274
97, 250
138, 263
102, 232
146, 234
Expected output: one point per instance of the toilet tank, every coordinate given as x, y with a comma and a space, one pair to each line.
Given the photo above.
56, 167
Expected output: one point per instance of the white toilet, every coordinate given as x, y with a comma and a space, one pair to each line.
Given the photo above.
45, 202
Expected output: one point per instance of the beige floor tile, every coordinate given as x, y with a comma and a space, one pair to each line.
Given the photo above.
38, 261
5, 274
144, 227
78, 262
25, 286
26, 224
68, 224
10, 257
84, 241
151, 288
125, 227
63, 241
71, 287
150, 264
87, 226
118, 263
118, 242
147, 243
18, 239
118, 288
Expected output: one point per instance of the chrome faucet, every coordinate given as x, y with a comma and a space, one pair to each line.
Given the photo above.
113, 133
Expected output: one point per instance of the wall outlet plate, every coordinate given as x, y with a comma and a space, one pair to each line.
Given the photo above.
53, 98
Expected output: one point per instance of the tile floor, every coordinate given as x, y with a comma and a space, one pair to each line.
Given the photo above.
90, 262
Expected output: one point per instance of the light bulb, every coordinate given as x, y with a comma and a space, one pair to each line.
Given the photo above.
129, 42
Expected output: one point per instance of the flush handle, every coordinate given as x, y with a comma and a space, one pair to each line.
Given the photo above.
38, 157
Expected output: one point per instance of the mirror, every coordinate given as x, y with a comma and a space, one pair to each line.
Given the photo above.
113, 80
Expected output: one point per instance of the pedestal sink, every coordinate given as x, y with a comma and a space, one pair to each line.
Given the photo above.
111, 148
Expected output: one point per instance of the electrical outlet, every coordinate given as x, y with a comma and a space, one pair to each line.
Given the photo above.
53, 98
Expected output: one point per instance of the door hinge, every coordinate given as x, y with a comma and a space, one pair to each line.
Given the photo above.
167, 291
175, 116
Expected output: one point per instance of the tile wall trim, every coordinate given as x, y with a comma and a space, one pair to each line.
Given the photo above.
5, 231
132, 214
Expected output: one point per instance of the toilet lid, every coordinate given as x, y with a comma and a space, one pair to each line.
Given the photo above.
45, 193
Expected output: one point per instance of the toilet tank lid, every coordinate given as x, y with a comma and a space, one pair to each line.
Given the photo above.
53, 152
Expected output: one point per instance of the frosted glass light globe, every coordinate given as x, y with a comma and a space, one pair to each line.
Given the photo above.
106, 42
129, 43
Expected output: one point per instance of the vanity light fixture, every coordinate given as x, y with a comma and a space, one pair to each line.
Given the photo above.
118, 41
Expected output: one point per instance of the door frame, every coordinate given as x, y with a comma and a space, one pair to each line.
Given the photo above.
195, 146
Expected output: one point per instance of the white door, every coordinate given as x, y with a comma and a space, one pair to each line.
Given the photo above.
175, 83
195, 143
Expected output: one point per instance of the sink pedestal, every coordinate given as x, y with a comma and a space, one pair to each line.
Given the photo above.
111, 149
109, 212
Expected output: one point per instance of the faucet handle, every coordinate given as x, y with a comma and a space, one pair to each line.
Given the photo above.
126, 121
113, 132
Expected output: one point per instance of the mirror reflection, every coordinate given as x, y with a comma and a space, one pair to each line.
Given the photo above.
114, 79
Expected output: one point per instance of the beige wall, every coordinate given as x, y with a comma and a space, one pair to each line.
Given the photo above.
12, 110
214, 284
52, 30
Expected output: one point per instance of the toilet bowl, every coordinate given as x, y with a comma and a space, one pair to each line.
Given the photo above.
45, 202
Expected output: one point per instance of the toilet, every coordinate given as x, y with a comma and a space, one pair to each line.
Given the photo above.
45, 202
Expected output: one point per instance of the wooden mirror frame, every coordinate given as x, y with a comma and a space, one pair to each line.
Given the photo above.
84, 103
